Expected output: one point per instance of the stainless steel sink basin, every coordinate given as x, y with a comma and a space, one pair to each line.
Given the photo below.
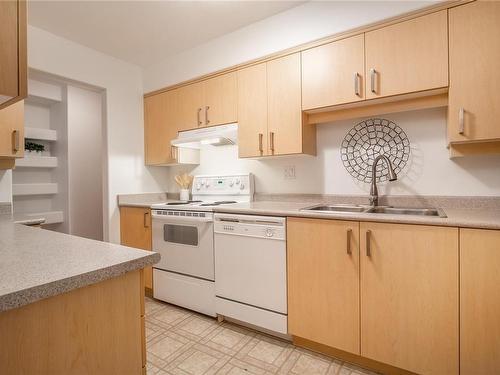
354, 208
407, 211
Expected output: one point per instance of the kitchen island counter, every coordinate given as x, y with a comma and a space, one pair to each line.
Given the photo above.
37, 264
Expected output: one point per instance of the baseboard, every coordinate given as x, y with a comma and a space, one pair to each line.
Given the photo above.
366, 363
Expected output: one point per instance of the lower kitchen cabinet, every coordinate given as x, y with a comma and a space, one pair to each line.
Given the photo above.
323, 282
383, 292
135, 231
409, 296
479, 301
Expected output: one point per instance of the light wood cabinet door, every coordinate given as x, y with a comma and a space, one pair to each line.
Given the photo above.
252, 111
409, 296
191, 107
220, 100
284, 105
323, 281
8, 50
135, 231
160, 127
474, 94
408, 56
334, 73
479, 301
12, 131
13, 56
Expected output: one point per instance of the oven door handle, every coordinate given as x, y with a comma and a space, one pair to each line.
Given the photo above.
184, 219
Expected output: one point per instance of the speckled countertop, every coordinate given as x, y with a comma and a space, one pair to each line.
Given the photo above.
456, 217
143, 200
37, 263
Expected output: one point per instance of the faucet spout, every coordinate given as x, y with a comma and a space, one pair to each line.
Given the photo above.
392, 177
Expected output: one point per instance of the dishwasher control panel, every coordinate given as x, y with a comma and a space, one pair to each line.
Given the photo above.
251, 226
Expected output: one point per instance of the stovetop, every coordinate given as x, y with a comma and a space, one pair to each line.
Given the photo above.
212, 191
197, 205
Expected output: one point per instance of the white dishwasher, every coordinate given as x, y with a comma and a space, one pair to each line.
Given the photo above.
250, 269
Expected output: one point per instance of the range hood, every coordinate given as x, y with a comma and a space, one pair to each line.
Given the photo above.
215, 135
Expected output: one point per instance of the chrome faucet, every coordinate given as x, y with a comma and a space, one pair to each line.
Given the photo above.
392, 177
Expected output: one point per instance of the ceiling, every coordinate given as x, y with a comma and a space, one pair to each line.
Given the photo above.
147, 32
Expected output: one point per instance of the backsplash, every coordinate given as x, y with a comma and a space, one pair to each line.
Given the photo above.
430, 171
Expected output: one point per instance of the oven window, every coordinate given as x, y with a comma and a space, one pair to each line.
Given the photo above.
182, 234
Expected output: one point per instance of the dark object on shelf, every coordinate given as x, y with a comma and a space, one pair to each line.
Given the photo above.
31, 146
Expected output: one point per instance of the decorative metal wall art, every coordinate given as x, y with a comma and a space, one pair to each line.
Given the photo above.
369, 139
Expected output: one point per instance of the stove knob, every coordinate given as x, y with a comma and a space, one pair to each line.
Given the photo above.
203, 183
207, 184
198, 186
237, 181
242, 186
231, 183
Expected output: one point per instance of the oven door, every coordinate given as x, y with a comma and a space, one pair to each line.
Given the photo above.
186, 243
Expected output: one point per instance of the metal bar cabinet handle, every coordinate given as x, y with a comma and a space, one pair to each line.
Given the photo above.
207, 121
368, 245
146, 223
198, 116
373, 73
271, 141
461, 125
349, 233
15, 141
261, 147
356, 84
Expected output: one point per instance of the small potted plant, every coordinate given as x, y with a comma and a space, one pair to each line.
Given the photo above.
33, 148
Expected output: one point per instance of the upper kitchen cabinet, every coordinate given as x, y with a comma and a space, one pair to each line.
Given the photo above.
13, 61
408, 57
252, 111
473, 110
333, 73
190, 106
11, 134
269, 110
163, 119
287, 134
220, 100
208, 103
160, 127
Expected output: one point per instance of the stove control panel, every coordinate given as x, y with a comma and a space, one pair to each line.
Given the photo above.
223, 185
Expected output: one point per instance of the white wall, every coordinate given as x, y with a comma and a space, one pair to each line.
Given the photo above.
429, 171
5, 186
122, 83
302, 24
86, 152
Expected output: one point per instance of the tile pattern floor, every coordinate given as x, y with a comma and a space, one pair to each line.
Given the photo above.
181, 342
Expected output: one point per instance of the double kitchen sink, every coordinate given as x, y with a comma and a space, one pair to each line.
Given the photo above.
388, 210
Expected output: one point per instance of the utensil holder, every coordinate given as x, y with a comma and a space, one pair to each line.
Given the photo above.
184, 195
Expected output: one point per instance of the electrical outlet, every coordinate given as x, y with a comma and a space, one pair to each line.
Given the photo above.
290, 172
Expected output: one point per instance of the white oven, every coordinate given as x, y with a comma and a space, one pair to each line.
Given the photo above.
185, 241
